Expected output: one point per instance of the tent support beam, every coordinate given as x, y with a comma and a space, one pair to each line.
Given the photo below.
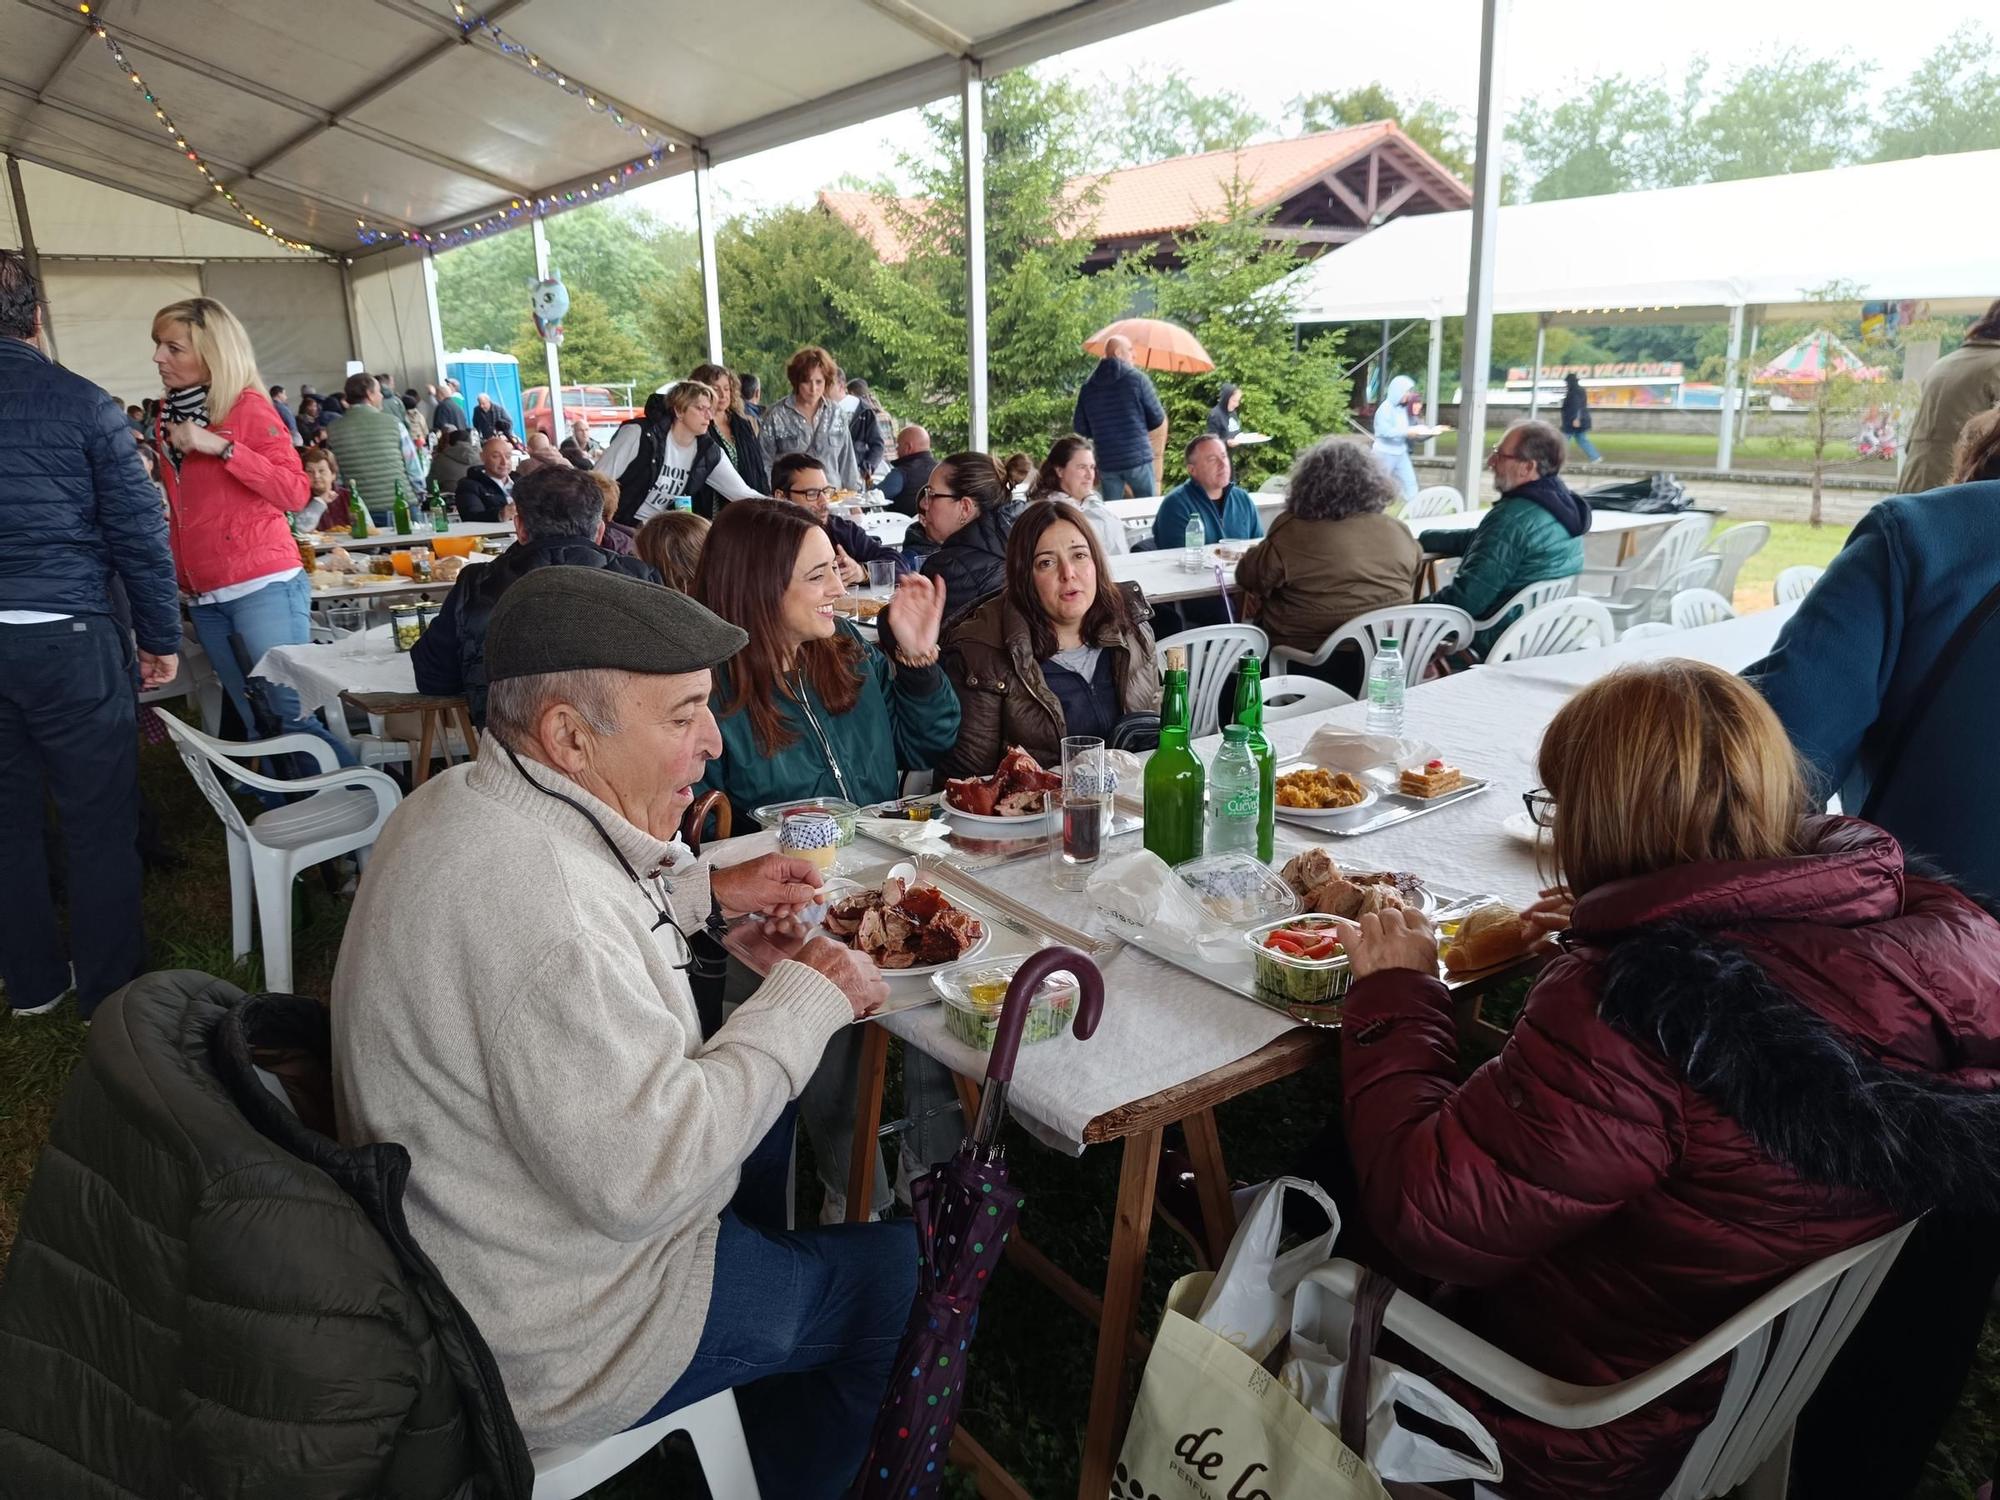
1435, 372
548, 345
1743, 406
347, 311
29, 253
711, 282
1535, 374
1725, 448
972, 114
437, 318
1478, 340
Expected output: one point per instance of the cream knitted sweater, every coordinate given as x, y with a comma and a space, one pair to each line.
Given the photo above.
503, 1008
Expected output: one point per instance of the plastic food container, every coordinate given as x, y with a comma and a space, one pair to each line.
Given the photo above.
975, 992
771, 814
1238, 888
1297, 980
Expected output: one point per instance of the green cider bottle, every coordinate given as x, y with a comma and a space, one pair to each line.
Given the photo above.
405, 526
1175, 785
1250, 714
357, 510
440, 517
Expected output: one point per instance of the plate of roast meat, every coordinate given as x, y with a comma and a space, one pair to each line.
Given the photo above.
1322, 886
907, 927
1010, 797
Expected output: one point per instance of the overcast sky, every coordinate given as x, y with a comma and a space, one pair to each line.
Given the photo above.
1271, 51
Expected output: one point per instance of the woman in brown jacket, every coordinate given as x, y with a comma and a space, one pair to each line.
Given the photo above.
1332, 553
1060, 650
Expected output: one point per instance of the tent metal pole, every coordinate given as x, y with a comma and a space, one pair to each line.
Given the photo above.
436, 317
548, 345
972, 111
1485, 227
1725, 448
347, 307
1382, 363
1750, 363
29, 253
711, 284
1435, 373
1535, 374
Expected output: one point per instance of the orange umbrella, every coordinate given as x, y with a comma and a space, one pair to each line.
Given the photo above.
1156, 345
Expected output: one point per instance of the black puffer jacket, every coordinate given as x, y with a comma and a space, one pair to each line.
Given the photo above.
208, 1297
449, 659
972, 561
75, 503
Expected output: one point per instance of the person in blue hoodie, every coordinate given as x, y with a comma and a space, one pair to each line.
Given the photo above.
1392, 433
1120, 412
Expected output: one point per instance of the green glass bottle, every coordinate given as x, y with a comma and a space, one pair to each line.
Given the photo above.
440, 517
1175, 781
357, 511
1250, 714
405, 526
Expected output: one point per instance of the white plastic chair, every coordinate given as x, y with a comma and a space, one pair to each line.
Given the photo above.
713, 1425
1676, 545
1796, 582
1642, 605
1648, 630
1778, 1347
1735, 547
1421, 630
1436, 500
1563, 625
1213, 652
342, 814
888, 527
1693, 608
1296, 695
1528, 600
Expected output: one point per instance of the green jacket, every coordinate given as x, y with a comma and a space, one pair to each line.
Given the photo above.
905, 720
1518, 543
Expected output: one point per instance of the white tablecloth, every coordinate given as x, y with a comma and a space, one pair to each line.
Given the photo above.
1162, 1026
320, 674
326, 541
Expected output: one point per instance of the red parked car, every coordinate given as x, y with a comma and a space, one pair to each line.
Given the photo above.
597, 404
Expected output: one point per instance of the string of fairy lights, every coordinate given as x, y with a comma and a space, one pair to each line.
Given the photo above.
470, 23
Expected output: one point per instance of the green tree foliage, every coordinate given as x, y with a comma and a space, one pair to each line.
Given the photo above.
1231, 292
1613, 135
1432, 124
774, 272
1951, 103
594, 350
617, 251
1789, 113
1153, 117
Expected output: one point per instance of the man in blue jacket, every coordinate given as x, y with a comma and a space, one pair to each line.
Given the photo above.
76, 511
1225, 509
1120, 412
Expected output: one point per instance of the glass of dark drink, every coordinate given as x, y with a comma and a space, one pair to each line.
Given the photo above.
1081, 811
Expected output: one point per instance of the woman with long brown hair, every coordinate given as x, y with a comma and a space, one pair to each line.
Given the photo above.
1061, 650
734, 428
1070, 473
1767, 1038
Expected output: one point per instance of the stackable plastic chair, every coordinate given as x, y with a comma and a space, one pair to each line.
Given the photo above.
1421, 630
1436, 500
1528, 600
1213, 652
1735, 547
1796, 582
1295, 696
340, 811
1563, 625
1778, 1348
1693, 608
713, 1424
1625, 589
1642, 605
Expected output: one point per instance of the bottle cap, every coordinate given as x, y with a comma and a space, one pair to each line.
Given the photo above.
1388, 643
1236, 734
1176, 658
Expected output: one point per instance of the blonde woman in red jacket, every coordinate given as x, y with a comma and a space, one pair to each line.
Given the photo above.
231, 475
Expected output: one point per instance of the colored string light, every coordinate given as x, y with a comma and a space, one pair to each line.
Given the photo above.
179, 136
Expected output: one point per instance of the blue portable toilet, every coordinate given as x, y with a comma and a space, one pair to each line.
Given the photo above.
497, 375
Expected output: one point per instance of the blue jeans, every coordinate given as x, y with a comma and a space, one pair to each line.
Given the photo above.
1582, 440
278, 614
1113, 483
803, 1325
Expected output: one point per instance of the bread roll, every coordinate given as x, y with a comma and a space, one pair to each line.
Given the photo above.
1491, 935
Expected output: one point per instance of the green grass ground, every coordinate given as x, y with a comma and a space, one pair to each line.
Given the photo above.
1792, 543
1031, 1366
1696, 450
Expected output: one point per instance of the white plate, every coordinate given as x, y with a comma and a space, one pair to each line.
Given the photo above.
838, 889
1522, 827
1330, 817
972, 822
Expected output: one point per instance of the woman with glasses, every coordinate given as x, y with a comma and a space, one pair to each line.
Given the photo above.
809, 709
1767, 1037
960, 534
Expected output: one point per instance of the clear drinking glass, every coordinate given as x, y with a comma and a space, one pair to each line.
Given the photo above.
349, 624
882, 576
1083, 807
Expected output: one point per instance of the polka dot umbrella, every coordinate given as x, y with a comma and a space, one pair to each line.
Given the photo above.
965, 1212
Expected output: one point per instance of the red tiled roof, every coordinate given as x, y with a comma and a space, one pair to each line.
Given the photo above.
861, 213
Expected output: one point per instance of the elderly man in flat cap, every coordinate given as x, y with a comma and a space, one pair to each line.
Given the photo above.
601, 1186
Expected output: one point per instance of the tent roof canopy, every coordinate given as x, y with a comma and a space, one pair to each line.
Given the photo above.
1684, 254
387, 112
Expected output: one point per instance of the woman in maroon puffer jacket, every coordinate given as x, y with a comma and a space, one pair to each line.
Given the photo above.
1768, 1039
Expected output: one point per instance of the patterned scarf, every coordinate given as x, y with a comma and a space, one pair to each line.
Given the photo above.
189, 404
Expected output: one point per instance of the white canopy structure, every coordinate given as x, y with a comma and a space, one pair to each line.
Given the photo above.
373, 132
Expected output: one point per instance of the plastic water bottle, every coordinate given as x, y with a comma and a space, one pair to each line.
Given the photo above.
1385, 688
1192, 541
1235, 788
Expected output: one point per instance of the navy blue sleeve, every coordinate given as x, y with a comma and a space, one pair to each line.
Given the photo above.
435, 658
132, 519
1150, 400
1079, 421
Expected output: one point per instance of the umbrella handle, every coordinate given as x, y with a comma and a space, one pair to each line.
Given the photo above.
1020, 996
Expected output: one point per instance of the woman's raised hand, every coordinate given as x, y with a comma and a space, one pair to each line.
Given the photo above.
916, 613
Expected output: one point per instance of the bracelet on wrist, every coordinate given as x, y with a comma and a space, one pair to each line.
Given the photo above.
915, 660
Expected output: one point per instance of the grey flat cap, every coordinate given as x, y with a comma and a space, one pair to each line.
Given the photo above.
577, 619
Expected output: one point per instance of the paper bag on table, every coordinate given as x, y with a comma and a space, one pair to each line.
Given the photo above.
1141, 890
1355, 751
